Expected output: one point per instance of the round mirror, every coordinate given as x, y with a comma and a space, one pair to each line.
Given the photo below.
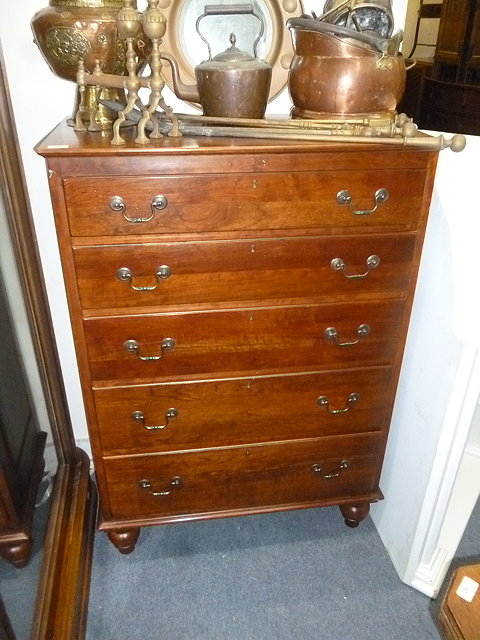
185, 44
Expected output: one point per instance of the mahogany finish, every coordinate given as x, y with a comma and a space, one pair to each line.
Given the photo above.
259, 200
262, 378
242, 342
244, 410
238, 271
459, 618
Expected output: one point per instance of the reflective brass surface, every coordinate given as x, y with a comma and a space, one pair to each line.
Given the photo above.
338, 264
132, 346
170, 414
331, 334
317, 468
68, 31
125, 274
176, 481
158, 203
323, 401
344, 198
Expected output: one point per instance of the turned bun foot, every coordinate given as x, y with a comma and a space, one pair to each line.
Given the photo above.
353, 514
17, 553
125, 539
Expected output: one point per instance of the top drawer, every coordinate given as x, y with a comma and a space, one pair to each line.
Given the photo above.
251, 201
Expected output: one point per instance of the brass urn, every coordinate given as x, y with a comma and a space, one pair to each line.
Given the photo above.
68, 31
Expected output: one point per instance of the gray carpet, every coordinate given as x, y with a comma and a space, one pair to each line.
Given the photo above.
18, 587
294, 575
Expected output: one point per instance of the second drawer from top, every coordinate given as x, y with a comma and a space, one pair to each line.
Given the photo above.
320, 269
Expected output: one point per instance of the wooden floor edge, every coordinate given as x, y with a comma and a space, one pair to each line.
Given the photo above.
62, 598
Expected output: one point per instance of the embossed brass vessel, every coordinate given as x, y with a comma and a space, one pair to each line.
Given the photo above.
68, 31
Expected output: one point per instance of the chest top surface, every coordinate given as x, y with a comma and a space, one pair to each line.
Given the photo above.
64, 142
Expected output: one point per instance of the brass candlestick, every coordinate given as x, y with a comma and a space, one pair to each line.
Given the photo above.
129, 22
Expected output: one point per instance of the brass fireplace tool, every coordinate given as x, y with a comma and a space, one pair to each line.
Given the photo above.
130, 23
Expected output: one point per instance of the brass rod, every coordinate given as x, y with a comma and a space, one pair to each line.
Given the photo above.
290, 123
456, 142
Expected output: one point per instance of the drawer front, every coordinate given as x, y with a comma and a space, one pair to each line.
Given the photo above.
198, 415
148, 348
242, 478
239, 202
212, 272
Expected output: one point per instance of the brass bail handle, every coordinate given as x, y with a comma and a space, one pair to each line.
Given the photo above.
132, 346
170, 414
176, 481
228, 10
345, 199
338, 264
317, 468
323, 401
331, 334
162, 273
158, 203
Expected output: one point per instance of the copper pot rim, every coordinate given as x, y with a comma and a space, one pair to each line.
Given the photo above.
339, 47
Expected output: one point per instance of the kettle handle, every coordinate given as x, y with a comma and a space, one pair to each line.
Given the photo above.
228, 10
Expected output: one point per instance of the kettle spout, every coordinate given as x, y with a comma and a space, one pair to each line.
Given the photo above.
188, 92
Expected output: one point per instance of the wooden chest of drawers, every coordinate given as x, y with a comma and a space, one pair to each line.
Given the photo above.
239, 310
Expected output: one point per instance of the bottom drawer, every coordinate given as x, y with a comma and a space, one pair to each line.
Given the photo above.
239, 479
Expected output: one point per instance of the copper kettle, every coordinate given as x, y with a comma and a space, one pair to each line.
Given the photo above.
233, 84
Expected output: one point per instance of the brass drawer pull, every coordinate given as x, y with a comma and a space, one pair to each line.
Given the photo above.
317, 468
176, 481
158, 203
323, 401
338, 264
331, 334
132, 346
125, 275
344, 198
170, 414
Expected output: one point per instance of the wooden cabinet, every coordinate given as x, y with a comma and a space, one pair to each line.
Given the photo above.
239, 318
21, 447
445, 95
457, 55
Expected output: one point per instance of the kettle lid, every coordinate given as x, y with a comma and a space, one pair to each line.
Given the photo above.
233, 56
233, 53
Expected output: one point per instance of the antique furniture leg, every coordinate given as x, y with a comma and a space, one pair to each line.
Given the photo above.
125, 540
353, 514
17, 552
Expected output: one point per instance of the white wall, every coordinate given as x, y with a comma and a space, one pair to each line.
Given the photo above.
40, 100
439, 384
443, 323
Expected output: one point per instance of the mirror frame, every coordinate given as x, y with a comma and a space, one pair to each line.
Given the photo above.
64, 581
279, 55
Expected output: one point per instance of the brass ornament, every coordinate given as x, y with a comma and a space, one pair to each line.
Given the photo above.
68, 31
67, 45
87, 4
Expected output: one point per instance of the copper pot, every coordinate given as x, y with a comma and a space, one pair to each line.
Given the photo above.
332, 74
